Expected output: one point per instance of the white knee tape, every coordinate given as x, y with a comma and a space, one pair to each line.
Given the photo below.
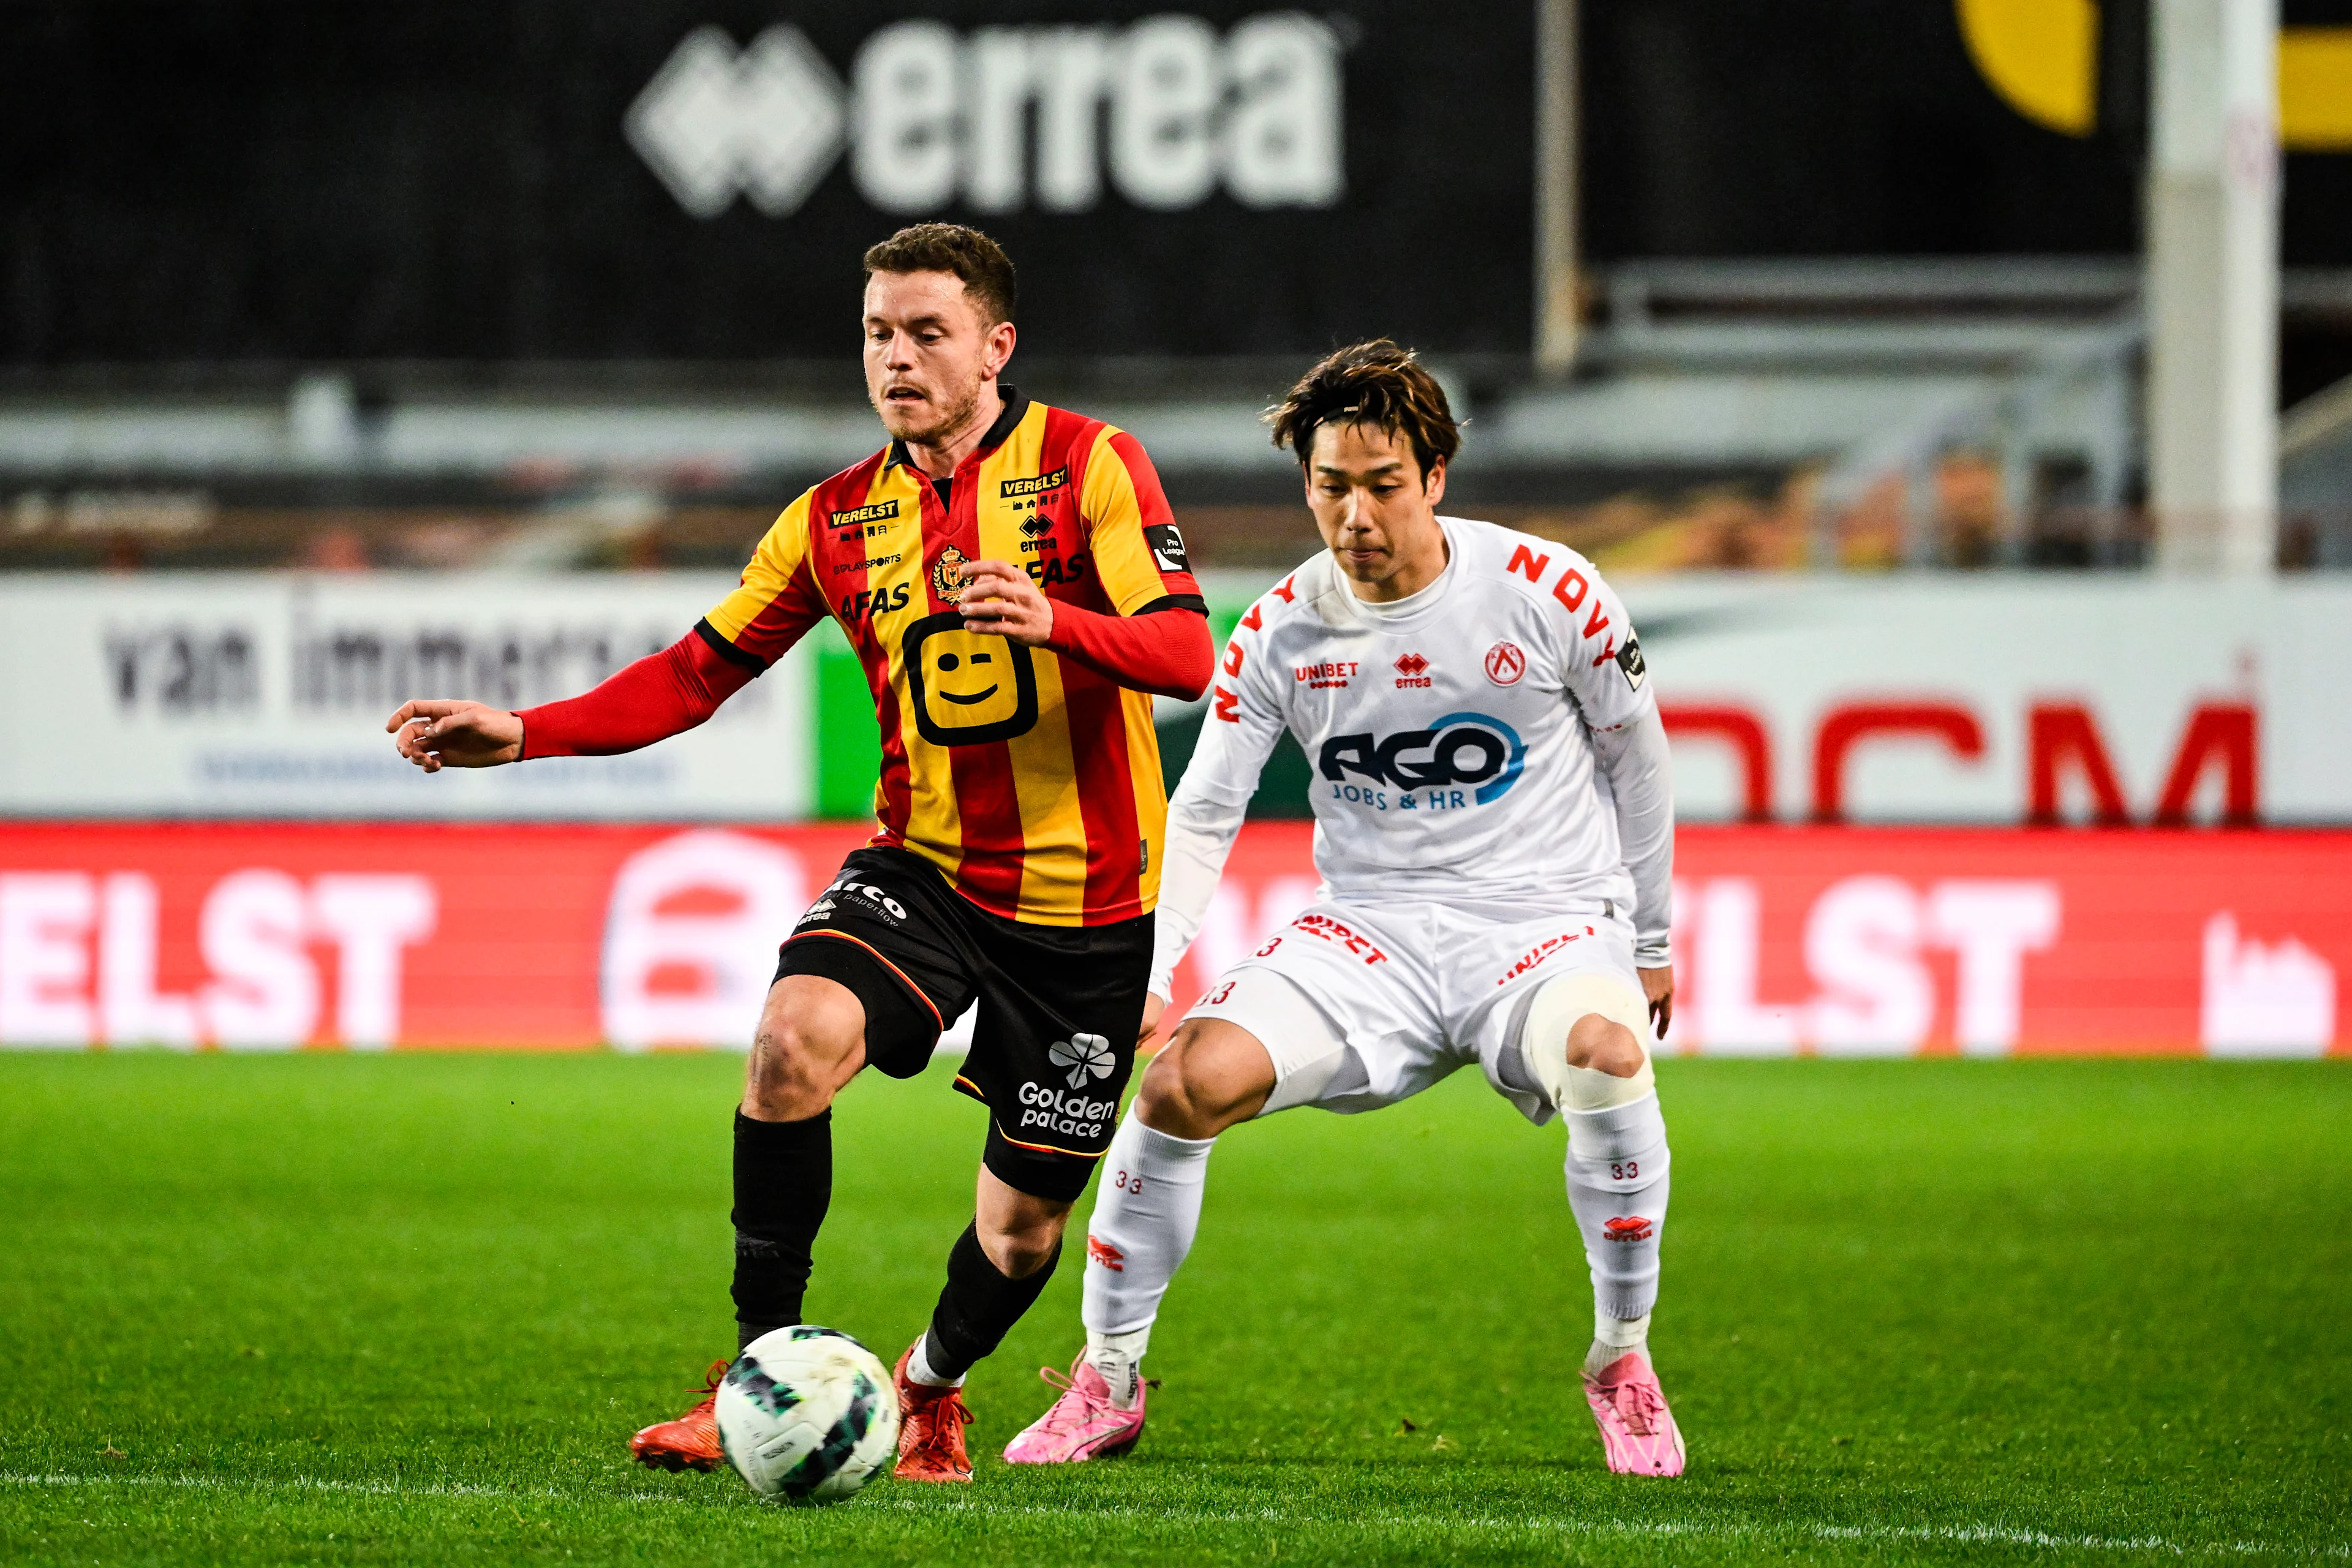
1543, 1041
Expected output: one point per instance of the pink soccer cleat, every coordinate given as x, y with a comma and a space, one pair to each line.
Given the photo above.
1636, 1428
1083, 1425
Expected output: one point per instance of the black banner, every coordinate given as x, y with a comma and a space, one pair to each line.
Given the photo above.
536, 180
1724, 128
695, 179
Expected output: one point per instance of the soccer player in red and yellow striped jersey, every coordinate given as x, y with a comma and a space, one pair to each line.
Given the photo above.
1029, 777
1013, 583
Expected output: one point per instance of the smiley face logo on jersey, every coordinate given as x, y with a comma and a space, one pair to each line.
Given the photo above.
948, 662
970, 688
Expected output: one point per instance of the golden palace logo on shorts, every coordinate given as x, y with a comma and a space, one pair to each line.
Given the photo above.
1085, 1055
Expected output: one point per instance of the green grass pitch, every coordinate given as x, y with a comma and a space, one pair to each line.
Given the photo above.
409, 1309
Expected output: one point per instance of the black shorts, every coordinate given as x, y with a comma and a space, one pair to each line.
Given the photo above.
1059, 1006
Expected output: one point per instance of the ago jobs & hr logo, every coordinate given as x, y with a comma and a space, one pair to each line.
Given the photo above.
929, 115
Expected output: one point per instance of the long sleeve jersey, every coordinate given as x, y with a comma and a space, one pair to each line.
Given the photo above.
1492, 739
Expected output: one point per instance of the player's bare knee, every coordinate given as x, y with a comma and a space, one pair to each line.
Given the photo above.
780, 1084
1183, 1094
796, 1063
1603, 1045
1023, 1243
1163, 1100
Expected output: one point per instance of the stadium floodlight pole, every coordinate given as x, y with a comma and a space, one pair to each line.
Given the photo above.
1556, 168
2212, 285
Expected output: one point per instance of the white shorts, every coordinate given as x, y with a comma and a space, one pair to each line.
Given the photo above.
1361, 1005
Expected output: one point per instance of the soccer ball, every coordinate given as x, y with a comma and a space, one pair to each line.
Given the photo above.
808, 1414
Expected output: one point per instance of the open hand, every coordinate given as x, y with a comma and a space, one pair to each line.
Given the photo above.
1154, 1005
998, 597
441, 733
1658, 986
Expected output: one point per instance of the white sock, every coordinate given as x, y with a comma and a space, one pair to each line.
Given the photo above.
1117, 1360
1617, 1184
1146, 1208
1615, 1337
919, 1368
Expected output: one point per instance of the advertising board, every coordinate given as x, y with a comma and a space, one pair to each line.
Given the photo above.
259, 695
2009, 700
1788, 940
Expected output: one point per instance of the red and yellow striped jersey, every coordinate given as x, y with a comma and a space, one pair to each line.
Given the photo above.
1031, 781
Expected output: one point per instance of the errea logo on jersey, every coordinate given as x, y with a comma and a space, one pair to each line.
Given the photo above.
1458, 749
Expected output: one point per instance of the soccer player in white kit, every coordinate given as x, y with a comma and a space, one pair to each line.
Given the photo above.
1494, 831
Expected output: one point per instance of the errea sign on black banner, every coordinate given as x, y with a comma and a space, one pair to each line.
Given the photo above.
491, 181
1161, 113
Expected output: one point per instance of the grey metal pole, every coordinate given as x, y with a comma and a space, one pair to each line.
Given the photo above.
2212, 285
1556, 170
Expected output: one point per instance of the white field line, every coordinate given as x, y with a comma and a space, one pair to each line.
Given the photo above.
275, 1483
312, 1484
1983, 1534
1970, 1535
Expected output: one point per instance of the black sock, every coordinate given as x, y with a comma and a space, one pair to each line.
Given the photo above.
979, 1307
784, 1184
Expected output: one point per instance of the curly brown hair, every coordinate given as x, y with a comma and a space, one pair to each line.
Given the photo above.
980, 261
1374, 383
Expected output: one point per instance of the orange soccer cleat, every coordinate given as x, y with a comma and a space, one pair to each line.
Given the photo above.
930, 1429
690, 1442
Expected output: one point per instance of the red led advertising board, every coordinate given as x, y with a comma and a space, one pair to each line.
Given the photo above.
1788, 940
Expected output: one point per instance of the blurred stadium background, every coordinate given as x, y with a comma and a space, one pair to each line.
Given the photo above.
1960, 389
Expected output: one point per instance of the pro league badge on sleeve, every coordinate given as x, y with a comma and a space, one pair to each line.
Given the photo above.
1167, 547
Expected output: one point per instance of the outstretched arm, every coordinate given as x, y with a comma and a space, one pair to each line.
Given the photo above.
658, 697
661, 695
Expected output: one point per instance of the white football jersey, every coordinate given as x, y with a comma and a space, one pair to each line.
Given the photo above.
1448, 733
